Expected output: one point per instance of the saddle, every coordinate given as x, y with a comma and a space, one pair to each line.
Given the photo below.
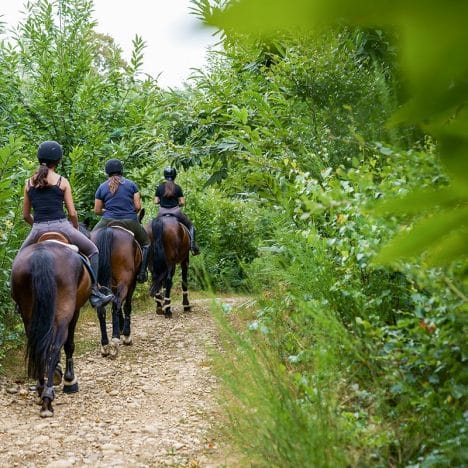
58, 238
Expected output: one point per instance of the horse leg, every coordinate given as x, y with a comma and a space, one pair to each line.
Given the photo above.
185, 299
116, 311
70, 384
39, 389
101, 313
58, 374
121, 320
48, 392
159, 303
127, 339
167, 298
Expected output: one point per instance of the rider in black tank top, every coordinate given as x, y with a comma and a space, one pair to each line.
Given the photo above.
47, 202
43, 209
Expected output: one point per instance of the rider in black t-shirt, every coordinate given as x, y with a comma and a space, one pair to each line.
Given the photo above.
170, 197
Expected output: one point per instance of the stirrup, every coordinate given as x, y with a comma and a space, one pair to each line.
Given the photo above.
98, 299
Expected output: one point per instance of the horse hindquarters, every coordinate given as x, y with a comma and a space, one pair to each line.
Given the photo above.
43, 346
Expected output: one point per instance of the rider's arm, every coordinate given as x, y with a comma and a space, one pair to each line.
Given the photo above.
181, 201
27, 207
98, 207
137, 201
69, 205
157, 200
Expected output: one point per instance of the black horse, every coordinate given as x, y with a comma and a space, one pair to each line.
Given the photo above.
170, 246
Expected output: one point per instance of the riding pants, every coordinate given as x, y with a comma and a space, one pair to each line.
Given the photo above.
141, 235
66, 228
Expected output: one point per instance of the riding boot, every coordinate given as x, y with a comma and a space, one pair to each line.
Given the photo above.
142, 276
193, 244
100, 295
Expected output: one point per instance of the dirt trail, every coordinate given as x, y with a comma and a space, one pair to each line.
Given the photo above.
152, 406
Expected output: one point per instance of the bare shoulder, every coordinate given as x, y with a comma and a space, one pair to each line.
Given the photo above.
64, 183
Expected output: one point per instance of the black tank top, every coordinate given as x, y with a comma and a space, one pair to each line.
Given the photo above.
47, 202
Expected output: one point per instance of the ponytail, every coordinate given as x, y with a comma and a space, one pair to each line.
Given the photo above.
114, 182
169, 189
39, 179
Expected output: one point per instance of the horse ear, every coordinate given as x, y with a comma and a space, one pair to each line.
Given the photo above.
141, 214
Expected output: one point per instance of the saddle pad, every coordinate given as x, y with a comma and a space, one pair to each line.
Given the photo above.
70, 246
117, 226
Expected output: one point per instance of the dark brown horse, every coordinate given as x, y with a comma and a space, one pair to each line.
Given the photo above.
119, 263
170, 246
50, 285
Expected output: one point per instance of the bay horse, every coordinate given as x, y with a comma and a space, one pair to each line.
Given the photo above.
119, 262
170, 246
49, 284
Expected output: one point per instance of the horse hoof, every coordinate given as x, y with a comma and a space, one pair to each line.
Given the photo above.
105, 351
114, 348
159, 312
58, 374
127, 340
187, 308
70, 387
46, 413
168, 314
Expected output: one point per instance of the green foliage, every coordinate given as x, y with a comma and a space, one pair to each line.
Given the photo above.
280, 102
277, 415
402, 332
438, 103
228, 232
12, 175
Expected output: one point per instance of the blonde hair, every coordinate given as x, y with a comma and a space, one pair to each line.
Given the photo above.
114, 182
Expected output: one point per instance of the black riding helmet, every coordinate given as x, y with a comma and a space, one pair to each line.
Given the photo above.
114, 166
49, 152
170, 173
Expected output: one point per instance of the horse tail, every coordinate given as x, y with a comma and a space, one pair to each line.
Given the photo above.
159, 257
104, 241
40, 332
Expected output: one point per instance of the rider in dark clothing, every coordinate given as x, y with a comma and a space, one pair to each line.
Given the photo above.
118, 201
170, 197
45, 194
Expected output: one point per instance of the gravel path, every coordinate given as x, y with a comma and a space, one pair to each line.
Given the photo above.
152, 406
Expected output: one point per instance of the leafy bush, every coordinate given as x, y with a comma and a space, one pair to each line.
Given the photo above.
228, 232
395, 338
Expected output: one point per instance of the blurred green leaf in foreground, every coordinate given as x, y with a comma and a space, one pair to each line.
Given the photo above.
432, 51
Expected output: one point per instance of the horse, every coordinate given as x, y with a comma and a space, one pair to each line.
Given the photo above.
49, 285
170, 246
119, 262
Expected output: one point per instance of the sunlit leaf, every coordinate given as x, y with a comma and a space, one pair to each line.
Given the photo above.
426, 234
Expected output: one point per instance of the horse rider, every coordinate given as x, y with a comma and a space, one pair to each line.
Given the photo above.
118, 201
45, 193
170, 198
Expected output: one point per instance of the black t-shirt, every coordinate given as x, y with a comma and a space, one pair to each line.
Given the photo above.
169, 202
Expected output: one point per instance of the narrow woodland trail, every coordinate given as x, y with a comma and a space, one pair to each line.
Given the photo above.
152, 406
